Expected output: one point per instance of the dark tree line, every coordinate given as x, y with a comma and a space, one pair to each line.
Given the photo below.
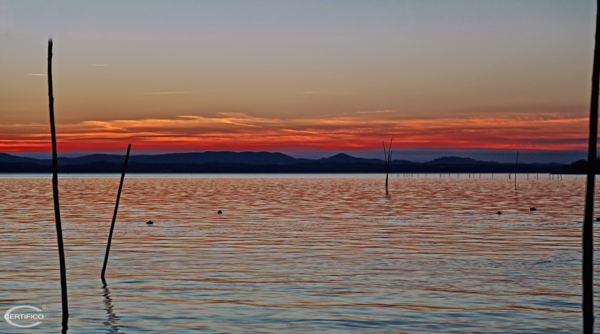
580, 167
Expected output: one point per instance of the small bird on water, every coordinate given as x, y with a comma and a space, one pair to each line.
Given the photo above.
532, 209
219, 212
149, 222
499, 213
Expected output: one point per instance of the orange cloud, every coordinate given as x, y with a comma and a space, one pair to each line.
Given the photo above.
361, 131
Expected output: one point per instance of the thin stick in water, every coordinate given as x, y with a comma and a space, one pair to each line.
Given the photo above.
587, 272
112, 226
388, 160
59, 237
516, 170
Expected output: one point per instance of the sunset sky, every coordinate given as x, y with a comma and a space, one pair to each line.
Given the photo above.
296, 76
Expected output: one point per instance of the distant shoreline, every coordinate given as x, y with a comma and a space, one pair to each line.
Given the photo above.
272, 163
301, 168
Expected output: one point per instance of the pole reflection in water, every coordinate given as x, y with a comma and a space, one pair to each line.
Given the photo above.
388, 204
112, 319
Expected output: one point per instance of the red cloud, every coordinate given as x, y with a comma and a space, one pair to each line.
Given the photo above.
360, 131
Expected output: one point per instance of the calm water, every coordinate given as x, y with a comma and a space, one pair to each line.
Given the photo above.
297, 254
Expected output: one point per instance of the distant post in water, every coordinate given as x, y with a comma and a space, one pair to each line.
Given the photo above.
59, 237
112, 226
388, 160
516, 161
587, 272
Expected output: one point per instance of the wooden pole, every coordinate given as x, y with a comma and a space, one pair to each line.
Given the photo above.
59, 237
588, 220
388, 159
516, 170
112, 226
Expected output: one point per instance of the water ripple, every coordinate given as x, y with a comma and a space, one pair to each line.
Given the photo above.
297, 254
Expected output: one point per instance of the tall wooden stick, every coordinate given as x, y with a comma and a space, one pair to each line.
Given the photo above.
388, 160
588, 222
59, 237
516, 161
112, 226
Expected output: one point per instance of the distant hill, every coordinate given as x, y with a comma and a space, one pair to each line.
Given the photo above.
261, 162
252, 158
457, 161
86, 159
7, 158
345, 158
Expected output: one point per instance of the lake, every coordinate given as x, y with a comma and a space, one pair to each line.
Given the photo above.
297, 253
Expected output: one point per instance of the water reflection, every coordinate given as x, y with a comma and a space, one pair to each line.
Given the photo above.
302, 254
111, 318
388, 204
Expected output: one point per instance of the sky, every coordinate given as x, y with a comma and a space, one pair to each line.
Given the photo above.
301, 77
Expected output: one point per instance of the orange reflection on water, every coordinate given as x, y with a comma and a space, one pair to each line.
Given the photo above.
292, 254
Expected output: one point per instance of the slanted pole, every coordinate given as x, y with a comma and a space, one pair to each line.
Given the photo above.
112, 226
59, 237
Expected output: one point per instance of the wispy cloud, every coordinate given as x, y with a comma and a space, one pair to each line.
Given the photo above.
36, 74
368, 112
327, 93
184, 92
99, 65
169, 93
362, 130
